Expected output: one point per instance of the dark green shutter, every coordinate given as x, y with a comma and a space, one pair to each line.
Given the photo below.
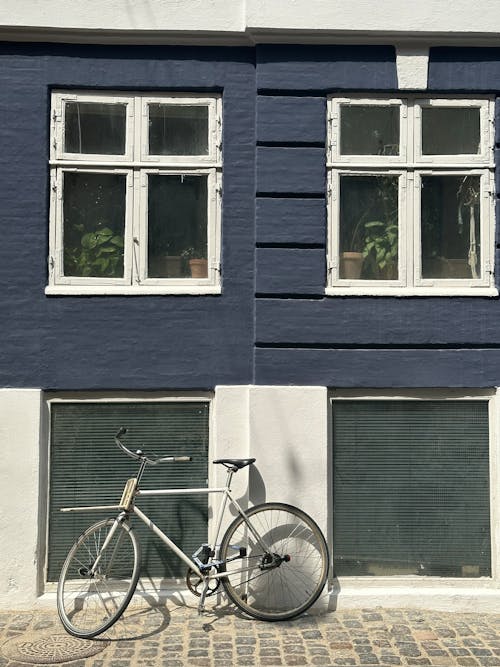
411, 488
87, 468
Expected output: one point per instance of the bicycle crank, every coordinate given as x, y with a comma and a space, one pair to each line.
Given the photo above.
196, 584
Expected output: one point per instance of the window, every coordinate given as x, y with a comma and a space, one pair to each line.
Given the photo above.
411, 488
410, 196
87, 468
136, 182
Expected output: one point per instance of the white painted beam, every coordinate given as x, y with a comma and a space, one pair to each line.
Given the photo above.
251, 21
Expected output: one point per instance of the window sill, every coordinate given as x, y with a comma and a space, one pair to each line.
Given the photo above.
123, 290
414, 291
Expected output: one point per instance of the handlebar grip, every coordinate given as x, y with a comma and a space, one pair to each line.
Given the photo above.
121, 432
182, 459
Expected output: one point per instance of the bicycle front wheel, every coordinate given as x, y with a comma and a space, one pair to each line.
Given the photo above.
276, 564
96, 584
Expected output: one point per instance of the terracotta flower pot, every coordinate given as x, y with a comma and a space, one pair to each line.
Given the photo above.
165, 266
351, 264
198, 268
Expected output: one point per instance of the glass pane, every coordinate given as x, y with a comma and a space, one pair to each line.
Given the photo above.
178, 129
92, 127
177, 226
411, 488
369, 227
94, 224
450, 227
450, 131
86, 468
369, 130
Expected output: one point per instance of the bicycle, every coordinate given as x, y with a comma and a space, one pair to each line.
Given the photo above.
272, 560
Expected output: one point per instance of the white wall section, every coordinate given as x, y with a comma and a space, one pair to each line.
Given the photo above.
250, 21
22, 503
285, 429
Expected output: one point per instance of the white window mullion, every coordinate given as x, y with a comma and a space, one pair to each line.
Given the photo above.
130, 215
487, 225
406, 127
216, 125
414, 214
333, 253
140, 229
56, 256
404, 230
215, 235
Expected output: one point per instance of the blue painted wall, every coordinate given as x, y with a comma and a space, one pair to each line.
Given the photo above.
120, 342
303, 337
272, 324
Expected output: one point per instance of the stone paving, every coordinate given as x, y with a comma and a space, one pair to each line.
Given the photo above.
175, 636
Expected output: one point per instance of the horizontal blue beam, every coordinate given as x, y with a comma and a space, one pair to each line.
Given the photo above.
291, 170
290, 271
291, 67
338, 321
378, 368
291, 119
283, 220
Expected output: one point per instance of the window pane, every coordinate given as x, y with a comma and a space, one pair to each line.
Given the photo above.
369, 227
450, 131
369, 130
94, 224
87, 468
177, 226
450, 227
178, 129
92, 127
411, 488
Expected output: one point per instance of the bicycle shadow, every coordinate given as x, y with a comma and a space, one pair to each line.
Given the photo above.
151, 613
143, 619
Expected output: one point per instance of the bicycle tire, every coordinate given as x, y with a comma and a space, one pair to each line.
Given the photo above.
267, 590
88, 606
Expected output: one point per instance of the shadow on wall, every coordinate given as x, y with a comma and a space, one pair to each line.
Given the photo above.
256, 487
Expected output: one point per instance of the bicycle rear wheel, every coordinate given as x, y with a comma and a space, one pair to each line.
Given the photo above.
89, 602
284, 579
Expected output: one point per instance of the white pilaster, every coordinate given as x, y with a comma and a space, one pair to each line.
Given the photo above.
412, 65
21, 509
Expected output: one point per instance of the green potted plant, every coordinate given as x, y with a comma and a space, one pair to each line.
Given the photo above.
381, 248
196, 259
99, 254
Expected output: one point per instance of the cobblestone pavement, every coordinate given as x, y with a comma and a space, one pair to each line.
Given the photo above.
175, 636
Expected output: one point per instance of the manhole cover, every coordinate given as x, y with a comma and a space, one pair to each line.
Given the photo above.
50, 649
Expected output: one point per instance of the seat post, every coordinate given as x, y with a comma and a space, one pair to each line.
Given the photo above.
230, 473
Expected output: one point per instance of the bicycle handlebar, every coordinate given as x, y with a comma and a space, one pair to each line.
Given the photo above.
139, 455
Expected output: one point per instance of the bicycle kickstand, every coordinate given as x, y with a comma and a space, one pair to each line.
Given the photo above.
201, 604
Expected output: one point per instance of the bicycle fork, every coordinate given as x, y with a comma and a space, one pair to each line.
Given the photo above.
119, 519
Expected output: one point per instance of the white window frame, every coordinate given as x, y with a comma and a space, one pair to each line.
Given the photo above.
135, 164
411, 165
492, 397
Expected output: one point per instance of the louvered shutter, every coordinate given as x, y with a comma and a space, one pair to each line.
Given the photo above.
411, 488
87, 468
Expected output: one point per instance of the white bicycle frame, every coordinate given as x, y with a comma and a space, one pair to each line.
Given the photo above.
127, 506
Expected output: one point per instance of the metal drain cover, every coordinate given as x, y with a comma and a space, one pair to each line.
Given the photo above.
50, 649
